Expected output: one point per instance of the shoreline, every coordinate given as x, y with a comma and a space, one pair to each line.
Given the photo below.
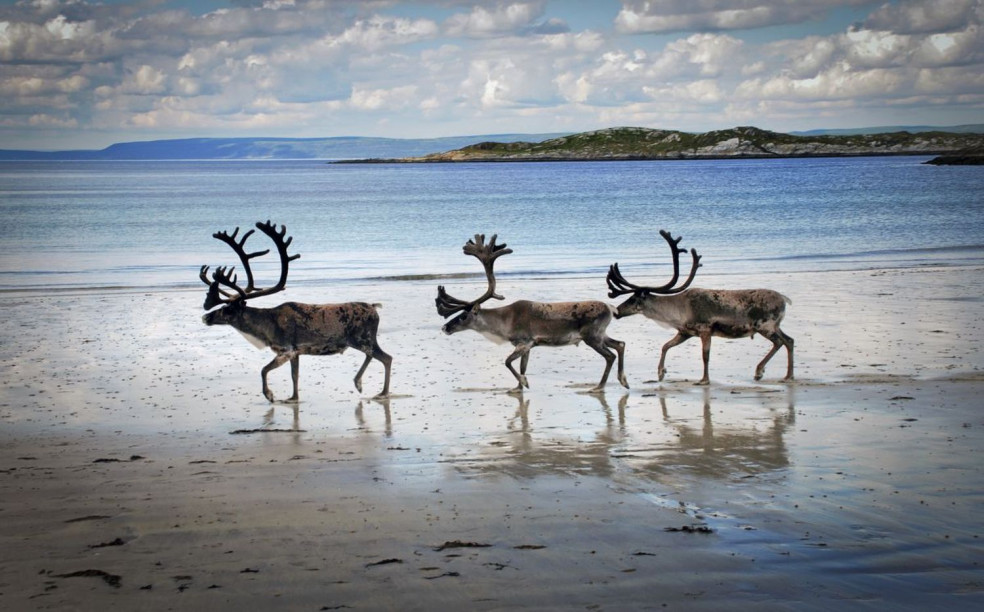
518, 275
630, 158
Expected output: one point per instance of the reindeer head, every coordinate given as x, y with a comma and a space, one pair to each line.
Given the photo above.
465, 320
224, 289
448, 305
617, 284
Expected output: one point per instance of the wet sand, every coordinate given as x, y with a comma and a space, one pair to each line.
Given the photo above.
141, 468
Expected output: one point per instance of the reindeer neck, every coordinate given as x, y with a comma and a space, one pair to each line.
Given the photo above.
495, 323
669, 309
256, 322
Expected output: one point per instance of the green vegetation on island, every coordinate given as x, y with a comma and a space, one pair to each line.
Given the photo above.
635, 143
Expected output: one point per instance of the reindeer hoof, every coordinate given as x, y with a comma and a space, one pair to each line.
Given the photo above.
358, 385
702, 383
269, 396
517, 390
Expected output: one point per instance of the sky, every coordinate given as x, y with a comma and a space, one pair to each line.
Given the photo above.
83, 74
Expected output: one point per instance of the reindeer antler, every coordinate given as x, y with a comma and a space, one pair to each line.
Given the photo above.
270, 229
239, 248
448, 305
226, 277
617, 285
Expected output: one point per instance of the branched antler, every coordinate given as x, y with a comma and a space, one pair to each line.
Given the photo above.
239, 248
229, 278
448, 305
278, 237
486, 253
617, 285
226, 276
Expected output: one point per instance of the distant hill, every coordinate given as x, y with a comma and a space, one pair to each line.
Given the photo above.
268, 148
630, 143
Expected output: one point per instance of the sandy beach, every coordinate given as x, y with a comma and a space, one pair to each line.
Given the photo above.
142, 469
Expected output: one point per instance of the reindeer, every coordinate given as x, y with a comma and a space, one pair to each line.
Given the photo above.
290, 329
705, 312
527, 324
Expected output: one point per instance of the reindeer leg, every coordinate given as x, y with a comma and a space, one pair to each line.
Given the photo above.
278, 361
788, 341
358, 375
604, 351
778, 339
387, 361
295, 372
619, 347
522, 350
760, 368
680, 338
705, 341
523, 362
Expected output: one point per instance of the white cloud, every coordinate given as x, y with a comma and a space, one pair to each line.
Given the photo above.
925, 16
500, 19
379, 32
949, 82
710, 54
49, 121
869, 65
875, 48
836, 82
682, 67
62, 29
578, 42
651, 16
383, 99
951, 48
146, 80
693, 92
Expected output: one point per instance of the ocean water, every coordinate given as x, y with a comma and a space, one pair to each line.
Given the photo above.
70, 225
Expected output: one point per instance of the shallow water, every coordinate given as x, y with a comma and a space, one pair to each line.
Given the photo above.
149, 224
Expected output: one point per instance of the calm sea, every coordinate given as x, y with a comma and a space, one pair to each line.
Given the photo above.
149, 224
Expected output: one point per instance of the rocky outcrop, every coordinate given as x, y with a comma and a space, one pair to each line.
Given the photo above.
967, 157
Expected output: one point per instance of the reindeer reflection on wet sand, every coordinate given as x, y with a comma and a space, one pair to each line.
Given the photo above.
527, 324
741, 445
669, 438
